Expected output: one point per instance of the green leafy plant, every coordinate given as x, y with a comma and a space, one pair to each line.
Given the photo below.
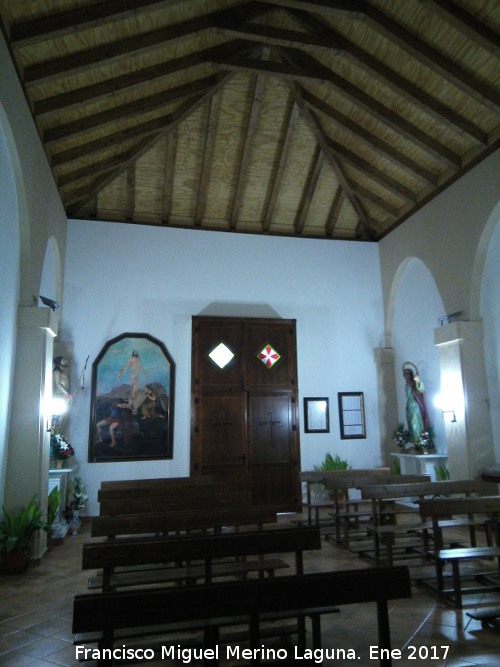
53, 502
333, 463
442, 473
17, 529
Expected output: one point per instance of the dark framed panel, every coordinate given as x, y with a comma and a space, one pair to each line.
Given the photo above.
351, 415
132, 401
316, 415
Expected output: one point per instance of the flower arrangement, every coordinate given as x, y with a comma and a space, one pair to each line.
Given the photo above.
426, 439
75, 498
401, 435
59, 447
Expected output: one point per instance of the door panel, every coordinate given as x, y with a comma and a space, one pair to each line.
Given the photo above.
206, 373
263, 343
244, 417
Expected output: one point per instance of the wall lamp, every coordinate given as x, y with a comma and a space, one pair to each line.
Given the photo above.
454, 417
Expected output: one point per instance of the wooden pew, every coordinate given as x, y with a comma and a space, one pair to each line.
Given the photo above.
471, 513
150, 490
391, 500
349, 513
177, 521
311, 477
205, 549
205, 496
156, 481
110, 617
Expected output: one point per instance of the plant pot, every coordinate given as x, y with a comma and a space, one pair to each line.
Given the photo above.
14, 562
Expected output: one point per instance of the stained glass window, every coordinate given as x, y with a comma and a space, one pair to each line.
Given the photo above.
268, 356
221, 355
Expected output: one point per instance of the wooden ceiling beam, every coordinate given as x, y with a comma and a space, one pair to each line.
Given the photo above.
136, 80
82, 61
334, 212
77, 198
375, 108
317, 161
168, 181
390, 78
392, 153
207, 159
244, 163
467, 23
332, 160
408, 42
72, 21
130, 193
368, 169
283, 153
136, 108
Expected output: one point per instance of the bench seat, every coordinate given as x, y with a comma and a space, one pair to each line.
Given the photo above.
187, 573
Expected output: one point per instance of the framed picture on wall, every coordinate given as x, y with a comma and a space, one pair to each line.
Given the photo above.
316, 415
351, 415
132, 401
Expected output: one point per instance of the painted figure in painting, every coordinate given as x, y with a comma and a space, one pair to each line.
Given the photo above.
416, 407
134, 367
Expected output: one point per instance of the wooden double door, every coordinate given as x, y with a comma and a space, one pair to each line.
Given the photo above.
244, 408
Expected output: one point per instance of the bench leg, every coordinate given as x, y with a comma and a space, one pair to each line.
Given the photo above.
457, 589
384, 633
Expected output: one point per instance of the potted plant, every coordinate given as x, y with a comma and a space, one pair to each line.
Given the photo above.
334, 463
75, 502
53, 503
16, 532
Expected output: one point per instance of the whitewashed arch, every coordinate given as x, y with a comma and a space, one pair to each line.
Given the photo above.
479, 261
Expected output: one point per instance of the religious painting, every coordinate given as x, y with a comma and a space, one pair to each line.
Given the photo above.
132, 409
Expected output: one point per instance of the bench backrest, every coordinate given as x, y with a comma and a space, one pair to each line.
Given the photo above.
156, 481
128, 553
360, 481
318, 476
444, 507
202, 497
424, 489
184, 520
156, 490
127, 609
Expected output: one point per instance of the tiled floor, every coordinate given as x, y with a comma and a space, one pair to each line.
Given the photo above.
36, 607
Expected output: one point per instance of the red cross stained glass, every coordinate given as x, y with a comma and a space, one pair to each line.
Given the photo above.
268, 356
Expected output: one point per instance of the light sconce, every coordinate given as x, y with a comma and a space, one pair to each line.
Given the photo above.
452, 412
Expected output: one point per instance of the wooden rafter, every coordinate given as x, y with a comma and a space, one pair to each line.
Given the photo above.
309, 188
168, 182
244, 163
334, 212
292, 117
207, 159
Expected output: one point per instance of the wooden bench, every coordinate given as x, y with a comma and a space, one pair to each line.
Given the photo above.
350, 513
390, 502
183, 521
205, 496
199, 556
326, 478
156, 481
462, 512
171, 490
119, 616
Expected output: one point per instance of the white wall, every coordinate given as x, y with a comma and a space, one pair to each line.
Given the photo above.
9, 295
125, 278
490, 312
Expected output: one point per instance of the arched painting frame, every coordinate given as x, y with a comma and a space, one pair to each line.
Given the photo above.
132, 401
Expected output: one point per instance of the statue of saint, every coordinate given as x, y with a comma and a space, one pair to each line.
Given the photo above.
416, 407
60, 379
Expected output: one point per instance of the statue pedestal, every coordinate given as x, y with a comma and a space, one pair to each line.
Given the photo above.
420, 464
